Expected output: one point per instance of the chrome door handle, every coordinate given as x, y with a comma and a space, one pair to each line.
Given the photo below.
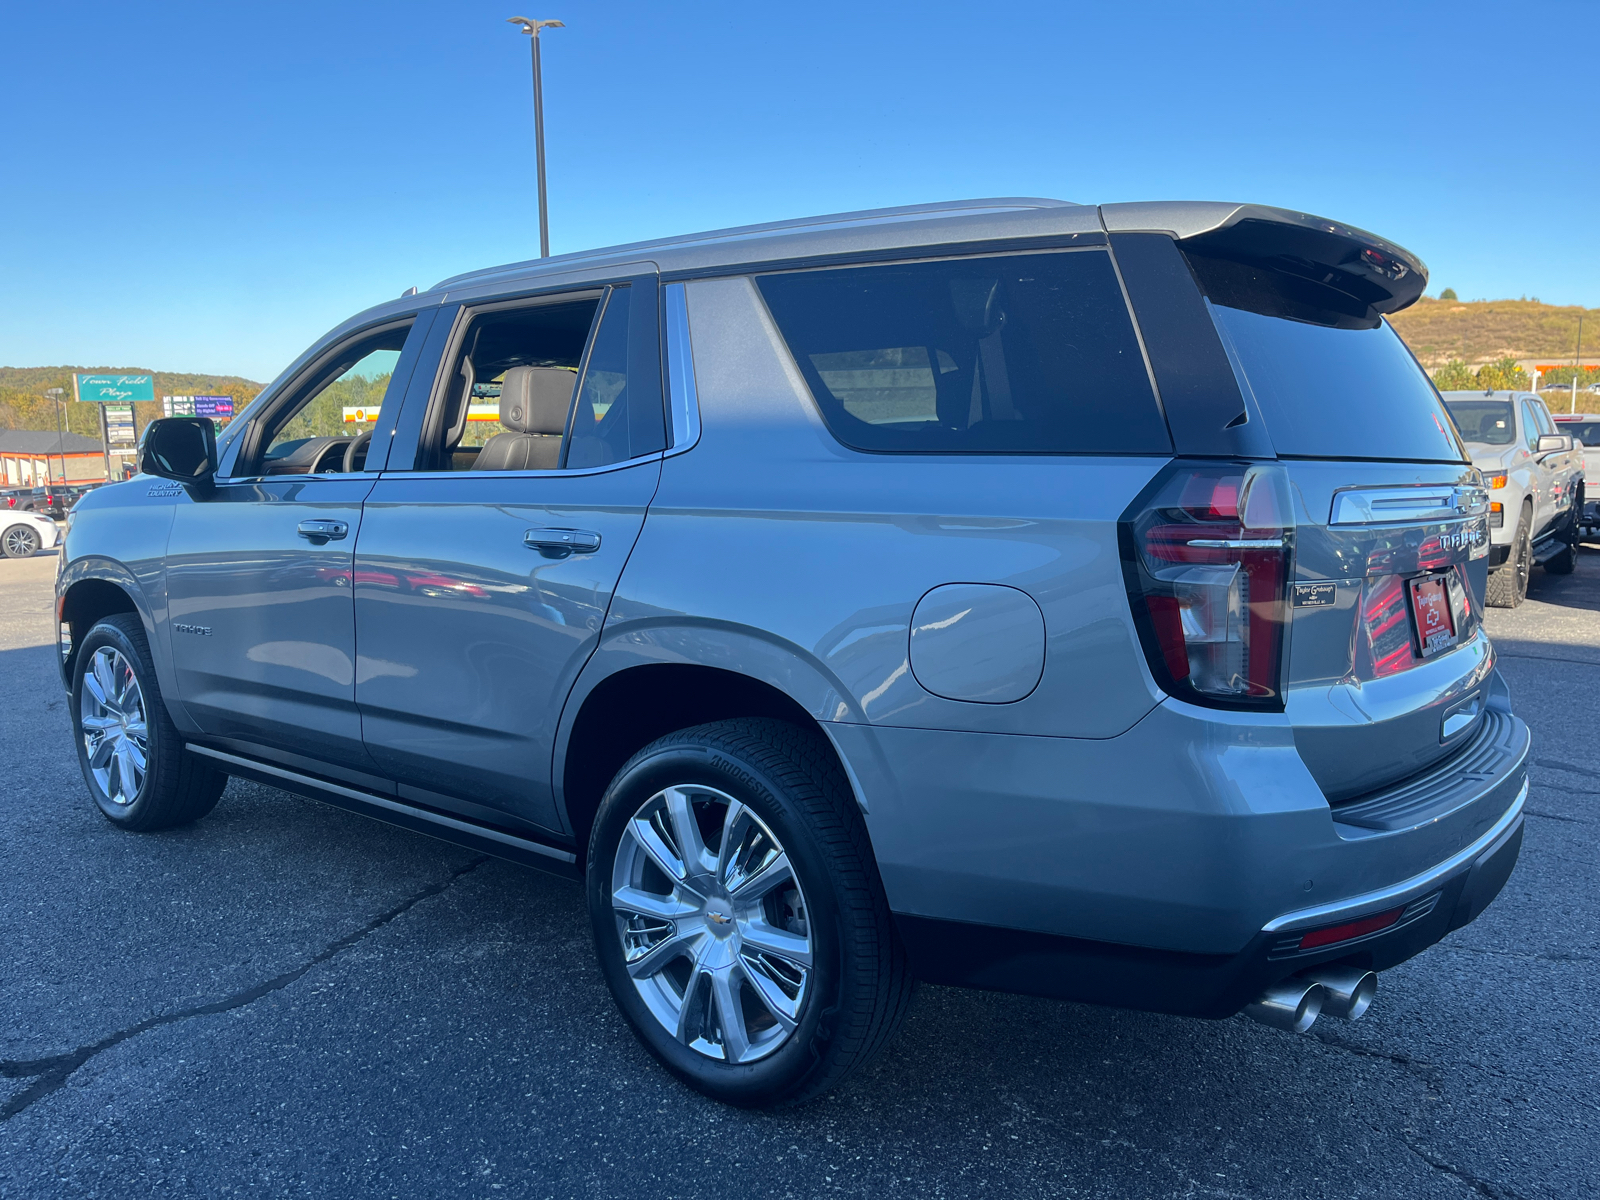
323, 531
559, 543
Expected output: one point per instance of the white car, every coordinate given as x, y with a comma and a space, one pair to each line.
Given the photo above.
24, 534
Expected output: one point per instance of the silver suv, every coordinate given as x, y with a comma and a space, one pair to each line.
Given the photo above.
1072, 600
1534, 472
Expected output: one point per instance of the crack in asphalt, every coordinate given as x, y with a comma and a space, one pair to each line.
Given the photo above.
51, 1073
1481, 1187
1553, 765
1414, 1066
1579, 662
1553, 817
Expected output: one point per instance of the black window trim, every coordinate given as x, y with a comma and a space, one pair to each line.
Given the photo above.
250, 447
464, 317
952, 254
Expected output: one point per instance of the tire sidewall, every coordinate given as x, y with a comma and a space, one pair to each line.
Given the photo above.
703, 762
105, 634
5, 540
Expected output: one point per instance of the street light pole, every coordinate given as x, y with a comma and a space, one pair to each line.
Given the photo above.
532, 28
55, 395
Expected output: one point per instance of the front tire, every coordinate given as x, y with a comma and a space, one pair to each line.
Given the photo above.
133, 758
1508, 586
738, 915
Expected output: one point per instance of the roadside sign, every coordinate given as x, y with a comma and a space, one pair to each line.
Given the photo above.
119, 425
359, 416
219, 408
114, 389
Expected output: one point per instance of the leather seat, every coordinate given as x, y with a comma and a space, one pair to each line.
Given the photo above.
533, 416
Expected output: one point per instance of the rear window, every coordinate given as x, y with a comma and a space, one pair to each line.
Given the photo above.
1587, 432
1490, 422
1329, 392
1011, 354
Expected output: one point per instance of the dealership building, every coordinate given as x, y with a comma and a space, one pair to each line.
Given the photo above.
35, 456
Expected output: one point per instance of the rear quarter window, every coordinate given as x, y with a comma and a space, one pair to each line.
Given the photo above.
1007, 354
1331, 392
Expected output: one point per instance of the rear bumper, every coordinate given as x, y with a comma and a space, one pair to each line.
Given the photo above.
1168, 868
1216, 985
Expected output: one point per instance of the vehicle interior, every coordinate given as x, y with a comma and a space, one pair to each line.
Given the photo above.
326, 427
507, 398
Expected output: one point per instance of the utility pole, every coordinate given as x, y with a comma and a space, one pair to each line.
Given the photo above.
1577, 365
55, 395
532, 28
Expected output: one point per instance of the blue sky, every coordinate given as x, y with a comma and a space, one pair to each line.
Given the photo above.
209, 187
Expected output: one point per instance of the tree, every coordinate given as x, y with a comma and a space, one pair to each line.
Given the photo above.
1448, 294
1502, 375
1453, 377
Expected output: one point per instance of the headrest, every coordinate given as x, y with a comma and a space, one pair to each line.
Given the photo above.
535, 399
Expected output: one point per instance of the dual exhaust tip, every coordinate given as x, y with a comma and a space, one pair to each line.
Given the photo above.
1294, 1004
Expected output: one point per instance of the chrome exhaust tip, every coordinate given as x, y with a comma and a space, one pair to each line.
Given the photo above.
1292, 1005
1347, 991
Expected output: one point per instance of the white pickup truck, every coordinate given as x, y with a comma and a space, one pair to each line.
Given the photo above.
1534, 473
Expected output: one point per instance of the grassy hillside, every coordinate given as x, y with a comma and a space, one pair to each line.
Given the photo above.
1438, 331
1480, 331
24, 405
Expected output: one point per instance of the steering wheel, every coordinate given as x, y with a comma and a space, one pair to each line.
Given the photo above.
352, 448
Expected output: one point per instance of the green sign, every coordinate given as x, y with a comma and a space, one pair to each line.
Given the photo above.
114, 389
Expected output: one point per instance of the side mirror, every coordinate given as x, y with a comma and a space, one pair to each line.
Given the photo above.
1554, 442
180, 448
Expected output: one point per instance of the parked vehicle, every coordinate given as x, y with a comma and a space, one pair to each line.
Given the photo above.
53, 499
23, 534
1012, 594
1585, 428
1535, 478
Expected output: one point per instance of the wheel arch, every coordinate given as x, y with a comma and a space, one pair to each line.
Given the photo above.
642, 685
93, 588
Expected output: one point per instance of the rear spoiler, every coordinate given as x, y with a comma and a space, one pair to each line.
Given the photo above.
1267, 259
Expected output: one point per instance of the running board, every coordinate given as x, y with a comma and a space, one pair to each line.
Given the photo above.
473, 836
1547, 548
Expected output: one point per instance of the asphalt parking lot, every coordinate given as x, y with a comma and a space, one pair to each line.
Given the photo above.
288, 1000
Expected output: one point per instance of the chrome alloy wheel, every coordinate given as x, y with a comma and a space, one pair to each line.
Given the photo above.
22, 541
115, 736
713, 923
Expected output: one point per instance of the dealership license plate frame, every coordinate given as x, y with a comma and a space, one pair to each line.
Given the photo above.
1432, 592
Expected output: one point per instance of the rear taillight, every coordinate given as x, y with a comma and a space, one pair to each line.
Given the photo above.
1207, 557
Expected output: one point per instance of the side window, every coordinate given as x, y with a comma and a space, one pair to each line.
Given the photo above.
1546, 424
535, 387
1013, 354
600, 417
326, 425
1530, 423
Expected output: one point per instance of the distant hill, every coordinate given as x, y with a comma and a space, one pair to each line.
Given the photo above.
24, 405
1438, 331
1481, 331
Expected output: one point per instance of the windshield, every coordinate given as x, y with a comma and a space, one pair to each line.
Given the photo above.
1487, 422
1326, 392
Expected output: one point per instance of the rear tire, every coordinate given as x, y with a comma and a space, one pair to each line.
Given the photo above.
753, 992
1508, 586
133, 758
1566, 560
20, 541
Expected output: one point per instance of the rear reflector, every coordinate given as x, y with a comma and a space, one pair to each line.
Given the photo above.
1350, 929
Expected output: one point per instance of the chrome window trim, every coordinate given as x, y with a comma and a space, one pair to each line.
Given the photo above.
1359, 906
683, 403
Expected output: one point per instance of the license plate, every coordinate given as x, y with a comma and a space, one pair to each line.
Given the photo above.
1430, 606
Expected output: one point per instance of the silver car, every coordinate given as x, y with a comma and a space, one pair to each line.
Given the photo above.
1072, 600
1534, 471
